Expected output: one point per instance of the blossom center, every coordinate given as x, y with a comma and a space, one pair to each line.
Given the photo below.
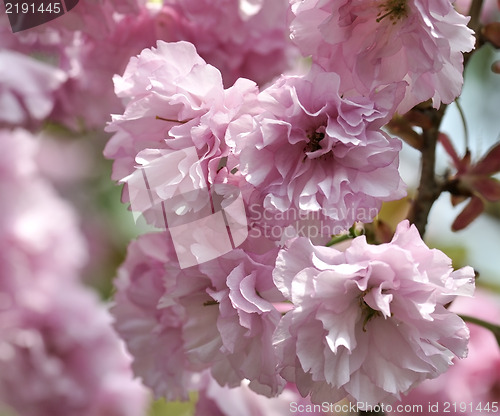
314, 142
393, 9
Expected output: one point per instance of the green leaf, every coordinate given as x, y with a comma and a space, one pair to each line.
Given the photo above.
162, 408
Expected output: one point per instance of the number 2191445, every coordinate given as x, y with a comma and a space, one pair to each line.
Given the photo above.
33, 8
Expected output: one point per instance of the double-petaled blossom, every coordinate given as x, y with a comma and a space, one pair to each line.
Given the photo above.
153, 333
175, 122
369, 322
472, 383
372, 43
311, 151
218, 316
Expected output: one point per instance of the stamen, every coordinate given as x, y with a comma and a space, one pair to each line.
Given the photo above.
171, 120
394, 9
314, 142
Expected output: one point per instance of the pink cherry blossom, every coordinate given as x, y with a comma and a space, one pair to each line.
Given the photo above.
175, 104
39, 234
82, 50
369, 322
215, 400
167, 90
242, 38
471, 383
153, 332
218, 316
376, 43
27, 89
312, 151
248, 316
59, 355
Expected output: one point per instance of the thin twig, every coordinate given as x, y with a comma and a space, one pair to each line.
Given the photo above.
464, 122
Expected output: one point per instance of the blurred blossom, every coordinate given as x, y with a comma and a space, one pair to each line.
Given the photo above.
84, 52
39, 232
59, 355
490, 11
242, 38
69, 62
215, 400
27, 89
58, 352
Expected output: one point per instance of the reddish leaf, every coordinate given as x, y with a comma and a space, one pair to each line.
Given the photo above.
495, 67
487, 187
490, 163
457, 199
448, 146
473, 209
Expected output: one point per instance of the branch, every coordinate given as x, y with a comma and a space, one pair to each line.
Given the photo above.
428, 189
475, 15
475, 25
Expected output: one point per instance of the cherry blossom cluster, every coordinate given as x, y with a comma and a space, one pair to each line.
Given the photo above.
253, 135
360, 321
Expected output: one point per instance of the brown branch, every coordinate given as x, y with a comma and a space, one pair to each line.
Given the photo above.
475, 15
475, 25
428, 189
